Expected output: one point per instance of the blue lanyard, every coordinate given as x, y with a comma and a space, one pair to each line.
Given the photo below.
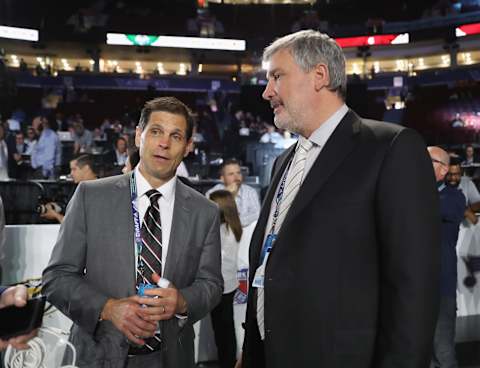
279, 197
136, 218
271, 237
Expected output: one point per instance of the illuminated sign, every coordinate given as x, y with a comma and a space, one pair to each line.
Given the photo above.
390, 39
467, 29
173, 41
16, 33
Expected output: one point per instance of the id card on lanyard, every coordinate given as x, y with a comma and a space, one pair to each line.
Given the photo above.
259, 278
136, 224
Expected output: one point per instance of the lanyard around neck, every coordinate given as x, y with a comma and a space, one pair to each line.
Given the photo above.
136, 217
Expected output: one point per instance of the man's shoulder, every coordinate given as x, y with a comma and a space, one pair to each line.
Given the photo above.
195, 199
106, 183
248, 189
382, 129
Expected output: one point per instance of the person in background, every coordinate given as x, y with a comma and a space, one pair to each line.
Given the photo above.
455, 179
246, 197
132, 161
469, 156
3, 154
46, 154
118, 156
452, 209
15, 296
82, 168
222, 314
82, 138
30, 140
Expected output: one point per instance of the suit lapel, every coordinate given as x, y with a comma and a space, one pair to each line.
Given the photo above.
123, 211
178, 234
339, 145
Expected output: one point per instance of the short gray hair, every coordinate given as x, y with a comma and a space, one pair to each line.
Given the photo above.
309, 48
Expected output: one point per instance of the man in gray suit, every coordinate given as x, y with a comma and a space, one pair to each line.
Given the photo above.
97, 259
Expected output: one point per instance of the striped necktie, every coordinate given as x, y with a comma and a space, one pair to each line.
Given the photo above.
293, 182
151, 232
150, 261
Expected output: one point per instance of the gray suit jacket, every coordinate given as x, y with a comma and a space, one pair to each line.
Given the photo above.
94, 259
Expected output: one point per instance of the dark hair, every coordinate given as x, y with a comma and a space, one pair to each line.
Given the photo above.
85, 160
167, 104
230, 161
134, 158
228, 211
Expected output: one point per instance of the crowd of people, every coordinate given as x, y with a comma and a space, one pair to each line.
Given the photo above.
395, 262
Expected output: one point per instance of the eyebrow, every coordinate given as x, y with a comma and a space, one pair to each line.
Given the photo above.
273, 71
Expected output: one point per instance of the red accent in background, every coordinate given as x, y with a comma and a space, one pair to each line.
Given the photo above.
363, 40
470, 29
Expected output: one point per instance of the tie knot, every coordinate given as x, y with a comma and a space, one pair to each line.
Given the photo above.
305, 144
153, 195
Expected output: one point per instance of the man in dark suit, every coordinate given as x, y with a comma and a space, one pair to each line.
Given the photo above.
100, 256
344, 261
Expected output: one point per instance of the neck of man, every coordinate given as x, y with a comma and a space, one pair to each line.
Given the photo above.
152, 180
327, 105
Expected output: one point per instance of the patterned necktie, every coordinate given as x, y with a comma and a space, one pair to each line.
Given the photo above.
150, 261
151, 231
293, 182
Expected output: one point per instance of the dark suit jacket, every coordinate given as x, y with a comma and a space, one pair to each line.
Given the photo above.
352, 280
94, 259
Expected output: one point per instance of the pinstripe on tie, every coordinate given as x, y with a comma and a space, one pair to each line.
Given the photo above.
150, 260
151, 231
293, 182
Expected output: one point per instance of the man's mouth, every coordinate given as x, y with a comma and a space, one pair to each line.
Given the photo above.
160, 158
275, 105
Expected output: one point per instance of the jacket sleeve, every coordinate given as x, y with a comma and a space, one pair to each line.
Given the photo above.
63, 279
408, 220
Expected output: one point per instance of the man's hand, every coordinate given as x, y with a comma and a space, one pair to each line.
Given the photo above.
166, 302
15, 296
51, 214
126, 315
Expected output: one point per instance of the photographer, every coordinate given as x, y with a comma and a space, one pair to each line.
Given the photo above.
17, 296
81, 169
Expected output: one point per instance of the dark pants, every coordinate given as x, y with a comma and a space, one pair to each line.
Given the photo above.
152, 360
444, 340
224, 330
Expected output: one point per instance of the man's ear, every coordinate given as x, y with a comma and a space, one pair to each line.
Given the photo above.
138, 136
189, 147
321, 76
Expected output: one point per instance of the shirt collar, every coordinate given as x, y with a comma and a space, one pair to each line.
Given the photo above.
143, 186
324, 131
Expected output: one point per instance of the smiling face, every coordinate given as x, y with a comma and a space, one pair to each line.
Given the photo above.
163, 144
289, 91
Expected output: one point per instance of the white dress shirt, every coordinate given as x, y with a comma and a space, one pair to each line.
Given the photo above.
165, 203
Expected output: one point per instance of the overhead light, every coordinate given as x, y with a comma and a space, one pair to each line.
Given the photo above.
200, 68
17, 33
174, 41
